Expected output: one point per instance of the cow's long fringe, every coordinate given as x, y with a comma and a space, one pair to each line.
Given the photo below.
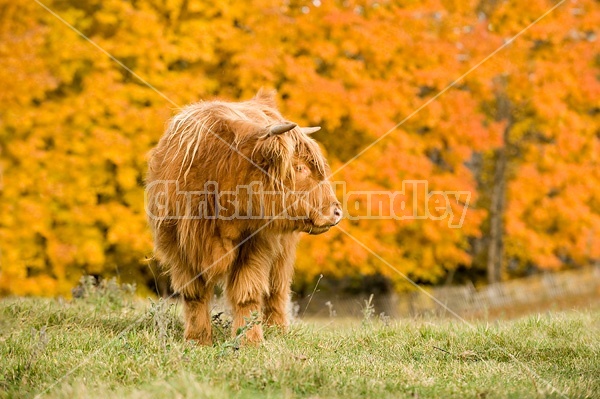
195, 123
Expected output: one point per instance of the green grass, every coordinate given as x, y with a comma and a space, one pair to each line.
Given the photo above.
105, 346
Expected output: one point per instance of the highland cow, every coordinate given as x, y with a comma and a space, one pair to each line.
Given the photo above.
230, 187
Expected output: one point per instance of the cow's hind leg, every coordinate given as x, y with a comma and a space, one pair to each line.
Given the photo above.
196, 310
197, 289
188, 283
196, 294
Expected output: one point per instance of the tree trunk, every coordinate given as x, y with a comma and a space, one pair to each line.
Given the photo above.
494, 261
498, 200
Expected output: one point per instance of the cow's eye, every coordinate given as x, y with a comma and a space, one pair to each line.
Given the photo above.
302, 169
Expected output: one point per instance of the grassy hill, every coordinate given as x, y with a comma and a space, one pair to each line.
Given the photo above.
107, 344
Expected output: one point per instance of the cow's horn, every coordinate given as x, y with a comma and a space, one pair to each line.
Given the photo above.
281, 128
310, 130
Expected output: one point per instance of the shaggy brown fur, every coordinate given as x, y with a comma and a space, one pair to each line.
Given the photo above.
230, 187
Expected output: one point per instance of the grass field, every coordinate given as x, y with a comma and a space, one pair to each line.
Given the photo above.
107, 344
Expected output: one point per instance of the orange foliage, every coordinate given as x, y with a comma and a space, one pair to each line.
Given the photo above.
75, 126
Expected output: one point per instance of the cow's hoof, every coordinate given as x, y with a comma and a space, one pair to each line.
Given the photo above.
199, 338
253, 336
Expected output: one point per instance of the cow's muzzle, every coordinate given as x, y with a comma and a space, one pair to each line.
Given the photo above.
328, 218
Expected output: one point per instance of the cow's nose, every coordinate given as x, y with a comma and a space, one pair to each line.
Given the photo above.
337, 213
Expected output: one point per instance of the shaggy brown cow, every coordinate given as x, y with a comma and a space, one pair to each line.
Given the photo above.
229, 189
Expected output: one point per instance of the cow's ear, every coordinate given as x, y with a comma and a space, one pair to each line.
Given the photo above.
266, 97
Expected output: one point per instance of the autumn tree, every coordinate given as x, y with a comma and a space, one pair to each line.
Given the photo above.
545, 94
75, 125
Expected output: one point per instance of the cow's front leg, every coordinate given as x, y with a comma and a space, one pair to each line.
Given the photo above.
247, 285
245, 292
282, 271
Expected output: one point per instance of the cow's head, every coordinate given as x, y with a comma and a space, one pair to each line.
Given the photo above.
297, 168
303, 172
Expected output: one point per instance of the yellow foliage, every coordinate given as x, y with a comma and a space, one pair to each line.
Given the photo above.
75, 126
